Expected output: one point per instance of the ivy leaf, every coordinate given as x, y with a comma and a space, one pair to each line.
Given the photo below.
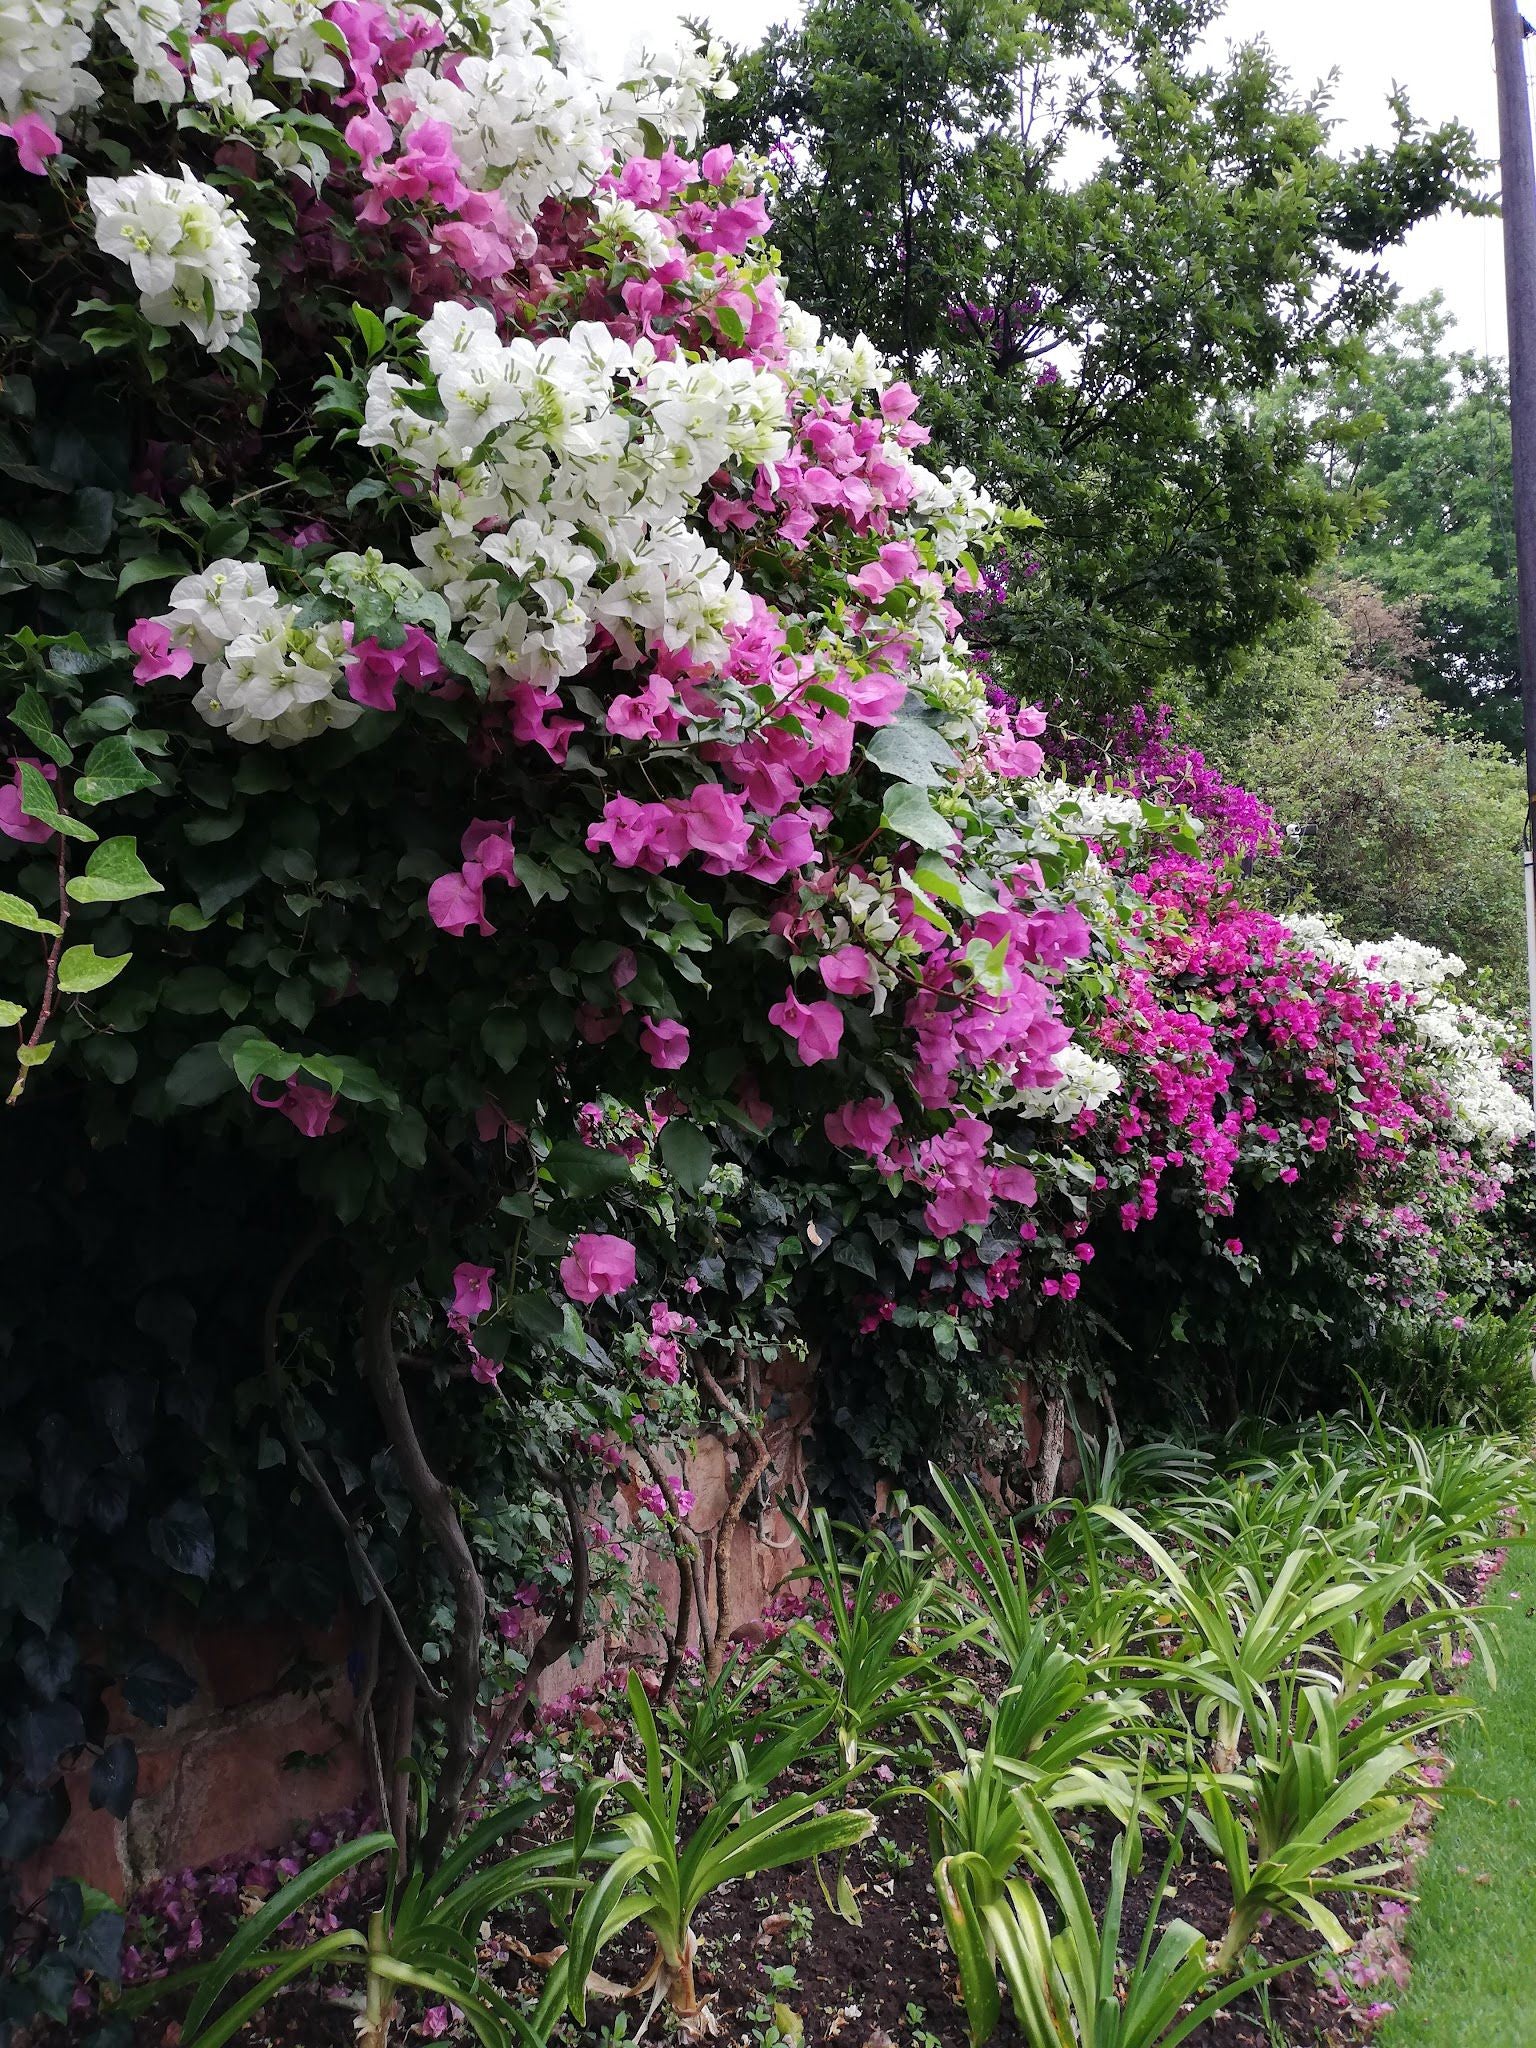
38, 801
10, 1013
32, 715
183, 1539
114, 874
687, 1154
17, 911
909, 813
113, 770
83, 968
32, 1580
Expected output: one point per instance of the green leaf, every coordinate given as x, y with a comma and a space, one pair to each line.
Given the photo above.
17, 911
10, 1013
912, 752
256, 1058
579, 1169
372, 329
38, 801
33, 717
909, 813
687, 1155
114, 874
112, 770
505, 1037
83, 968
34, 1055
199, 1077
151, 569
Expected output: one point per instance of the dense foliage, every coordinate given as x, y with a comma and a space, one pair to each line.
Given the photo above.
1124, 279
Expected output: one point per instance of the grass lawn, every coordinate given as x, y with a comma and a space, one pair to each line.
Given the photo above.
1473, 1933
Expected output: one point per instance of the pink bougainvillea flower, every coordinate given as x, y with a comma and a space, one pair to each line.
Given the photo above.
435, 2021
872, 582
597, 1265
35, 142
488, 842
157, 651
471, 1290
1017, 1184
486, 1370
311, 1110
456, 901
847, 972
374, 672
14, 822
816, 1028
866, 1126
534, 723
1053, 937
665, 1040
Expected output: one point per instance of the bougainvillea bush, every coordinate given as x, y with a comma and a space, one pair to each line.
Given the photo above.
488, 743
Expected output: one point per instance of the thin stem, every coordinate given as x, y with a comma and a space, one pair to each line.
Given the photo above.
50, 977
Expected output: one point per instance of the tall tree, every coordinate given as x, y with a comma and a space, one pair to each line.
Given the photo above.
1428, 447
1125, 276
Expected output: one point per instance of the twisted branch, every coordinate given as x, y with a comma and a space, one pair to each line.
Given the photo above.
311, 1471
436, 1507
746, 1479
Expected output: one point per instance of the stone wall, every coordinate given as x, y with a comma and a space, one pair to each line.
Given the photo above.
269, 1740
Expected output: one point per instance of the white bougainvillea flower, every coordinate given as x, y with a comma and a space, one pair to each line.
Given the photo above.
186, 247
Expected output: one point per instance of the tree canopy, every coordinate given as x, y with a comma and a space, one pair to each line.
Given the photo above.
1124, 278
1426, 447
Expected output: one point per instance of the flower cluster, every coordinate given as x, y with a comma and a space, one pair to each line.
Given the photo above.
186, 247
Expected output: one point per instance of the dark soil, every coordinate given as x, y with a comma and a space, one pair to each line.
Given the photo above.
776, 1943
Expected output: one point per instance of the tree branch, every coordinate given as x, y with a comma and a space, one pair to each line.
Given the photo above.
435, 1505
311, 1471
685, 1550
746, 1478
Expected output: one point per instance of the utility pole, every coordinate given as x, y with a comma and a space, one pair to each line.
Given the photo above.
1517, 177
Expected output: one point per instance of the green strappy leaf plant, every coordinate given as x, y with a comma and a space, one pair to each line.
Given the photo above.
651, 1873
421, 1938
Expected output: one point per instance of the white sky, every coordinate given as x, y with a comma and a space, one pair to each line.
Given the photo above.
1441, 50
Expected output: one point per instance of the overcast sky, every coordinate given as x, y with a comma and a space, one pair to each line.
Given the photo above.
1441, 50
